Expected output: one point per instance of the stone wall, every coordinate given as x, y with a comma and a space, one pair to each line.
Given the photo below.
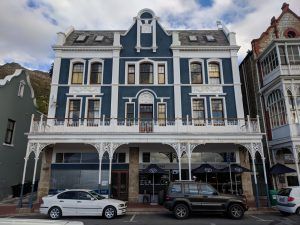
246, 177
44, 183
133, 190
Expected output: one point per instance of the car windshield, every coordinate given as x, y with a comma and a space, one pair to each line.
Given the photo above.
96, 195
285, 192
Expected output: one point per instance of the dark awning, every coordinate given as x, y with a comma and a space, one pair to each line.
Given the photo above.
279, 168
235, 168
153, 168
205, 168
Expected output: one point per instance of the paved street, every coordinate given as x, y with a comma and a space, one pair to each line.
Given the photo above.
168, 219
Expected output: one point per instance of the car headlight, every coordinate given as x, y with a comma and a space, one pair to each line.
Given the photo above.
121, 205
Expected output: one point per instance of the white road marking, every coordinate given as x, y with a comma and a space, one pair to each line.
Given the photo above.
212, 224
260, 219
132, 218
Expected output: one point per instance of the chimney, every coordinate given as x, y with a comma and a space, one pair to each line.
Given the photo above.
285, 7
273, 20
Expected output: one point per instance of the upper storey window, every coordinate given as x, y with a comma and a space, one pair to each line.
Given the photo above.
277, 110
289, 54
269, 63
161, 74
96, 73
196, 73
214, 73
77, 73
131, 74
146, 73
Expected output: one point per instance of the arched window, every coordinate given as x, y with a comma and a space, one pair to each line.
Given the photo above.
96, 73
291, 34
196, 73
214, 73
277, 110
77, 73
146, 73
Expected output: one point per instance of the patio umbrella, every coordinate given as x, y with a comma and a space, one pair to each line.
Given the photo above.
236, 169
153, 169
279, 168
205, 168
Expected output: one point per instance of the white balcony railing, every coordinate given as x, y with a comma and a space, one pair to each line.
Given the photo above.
84, 125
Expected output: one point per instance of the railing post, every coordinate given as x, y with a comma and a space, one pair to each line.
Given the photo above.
187, 120
31, 124
41, 122
248, 123
258, 123
103, 120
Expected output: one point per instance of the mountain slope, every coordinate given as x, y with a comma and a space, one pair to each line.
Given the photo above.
40, 82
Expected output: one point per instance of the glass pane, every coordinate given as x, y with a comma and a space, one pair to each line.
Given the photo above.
59, 157
122, 157
146, 73
196, 73
72, 157
214, 70
176, 188
89, 157
77, 73
146, 157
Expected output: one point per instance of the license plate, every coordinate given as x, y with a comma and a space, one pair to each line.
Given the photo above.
282, 199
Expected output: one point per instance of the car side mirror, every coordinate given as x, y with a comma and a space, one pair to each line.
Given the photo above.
93, 199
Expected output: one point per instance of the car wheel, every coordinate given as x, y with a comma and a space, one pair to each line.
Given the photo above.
181, 211
298, 211
236, 211
54, 213
284, 213
109, 212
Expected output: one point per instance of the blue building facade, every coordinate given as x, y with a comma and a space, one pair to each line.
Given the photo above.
121, 100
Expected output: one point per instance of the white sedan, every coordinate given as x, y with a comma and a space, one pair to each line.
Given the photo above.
81, 202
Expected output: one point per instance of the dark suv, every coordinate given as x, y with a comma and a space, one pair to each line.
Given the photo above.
185, 197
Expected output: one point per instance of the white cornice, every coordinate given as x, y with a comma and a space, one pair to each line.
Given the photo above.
205, 48
86, 48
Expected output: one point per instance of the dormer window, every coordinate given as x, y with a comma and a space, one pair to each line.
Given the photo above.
214, 73
96, 73
196, 73
146, 73
210, 38
81, 38
193, 38
77, 73
99, 38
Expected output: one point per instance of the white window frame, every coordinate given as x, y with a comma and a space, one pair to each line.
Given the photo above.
95, 60
21, 88
127, 64
221, 70
126, 103
205, 108
87, 104
137, 71
201, 61
68, 106
224, 108
72, 62
166, 106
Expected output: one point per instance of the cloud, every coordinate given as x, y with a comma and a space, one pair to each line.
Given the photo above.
29, 27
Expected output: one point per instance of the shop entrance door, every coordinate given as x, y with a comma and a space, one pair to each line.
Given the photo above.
146, 118
119, 185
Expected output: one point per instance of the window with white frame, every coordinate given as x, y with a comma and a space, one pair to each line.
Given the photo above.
196, 73
129, 114
277, 110
161, 74
9, 132
217, 111
131, 74
293, 54
96, 73
161, 114
270, 62
146, 73
198, 107
214, 73
93, 112
21, 89
282, 55
74, 112
77, 73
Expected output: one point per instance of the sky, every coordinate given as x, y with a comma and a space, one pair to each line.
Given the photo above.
29, 27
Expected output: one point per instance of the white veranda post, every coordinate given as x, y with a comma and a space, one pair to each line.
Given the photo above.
296, 158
